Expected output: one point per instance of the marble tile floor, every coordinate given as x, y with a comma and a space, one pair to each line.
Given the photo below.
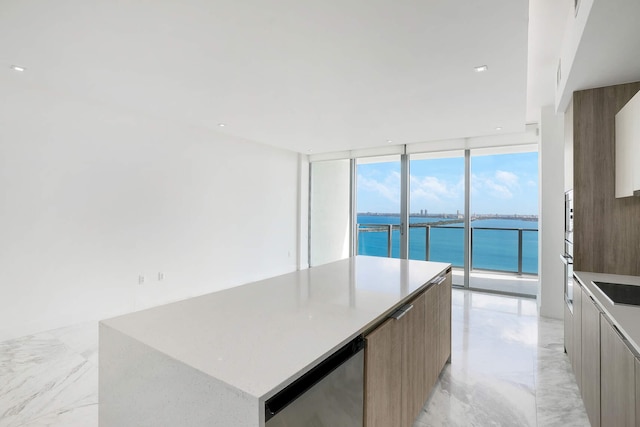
50, 378
508, 369
526, 284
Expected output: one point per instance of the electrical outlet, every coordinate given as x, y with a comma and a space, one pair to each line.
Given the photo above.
140, 280
160, 277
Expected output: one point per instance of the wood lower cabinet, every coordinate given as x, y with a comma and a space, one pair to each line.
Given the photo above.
568, 332
590, 387
618, 392
444, 322
414, 386
404, 356
383, 381
431, 340
576, 359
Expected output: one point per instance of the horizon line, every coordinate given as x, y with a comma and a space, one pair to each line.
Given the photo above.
439, 214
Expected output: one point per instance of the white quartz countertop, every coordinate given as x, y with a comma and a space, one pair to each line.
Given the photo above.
261, 336
625, 317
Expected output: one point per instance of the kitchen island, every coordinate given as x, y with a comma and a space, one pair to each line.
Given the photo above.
216, 359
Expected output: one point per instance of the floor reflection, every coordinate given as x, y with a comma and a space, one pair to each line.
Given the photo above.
508, 368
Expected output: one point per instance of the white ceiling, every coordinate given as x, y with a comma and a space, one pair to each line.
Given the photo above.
547, 20
323, 75
609, 48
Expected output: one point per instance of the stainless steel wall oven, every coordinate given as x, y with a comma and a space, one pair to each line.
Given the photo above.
567, 255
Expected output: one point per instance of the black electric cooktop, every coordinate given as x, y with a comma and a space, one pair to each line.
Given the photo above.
619, 293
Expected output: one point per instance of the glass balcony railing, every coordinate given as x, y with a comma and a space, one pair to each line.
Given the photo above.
511, 250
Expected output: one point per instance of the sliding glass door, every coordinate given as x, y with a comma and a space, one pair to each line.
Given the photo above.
504, 221
436, 203
475, 209
436, 188
378, 206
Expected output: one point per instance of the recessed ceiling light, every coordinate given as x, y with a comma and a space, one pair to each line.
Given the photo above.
17, 68
498, 128
481, 68
221, 125
389, 141
309, 151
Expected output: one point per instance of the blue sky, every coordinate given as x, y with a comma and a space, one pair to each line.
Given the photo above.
503, 184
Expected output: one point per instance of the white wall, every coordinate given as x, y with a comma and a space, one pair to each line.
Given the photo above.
568, 147
329, 236
551, 244
93, 197
303, 212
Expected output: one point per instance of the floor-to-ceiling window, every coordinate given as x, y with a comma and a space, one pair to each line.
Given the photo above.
474, 208
504, 219
436, 203
378, 206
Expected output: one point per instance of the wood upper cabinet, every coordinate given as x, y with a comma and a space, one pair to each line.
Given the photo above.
382, 379
605, 234
590, 388
618, 392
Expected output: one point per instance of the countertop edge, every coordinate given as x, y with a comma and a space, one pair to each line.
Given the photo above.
367, 328
603, 304
144, 325
376, 322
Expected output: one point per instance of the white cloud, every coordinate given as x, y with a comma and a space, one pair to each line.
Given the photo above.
428, 183
507, 179
431, 188
436, 194
494, 191
501, 185
389, 189
429, 191
498, 190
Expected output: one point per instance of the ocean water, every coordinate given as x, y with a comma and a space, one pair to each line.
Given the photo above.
491, 249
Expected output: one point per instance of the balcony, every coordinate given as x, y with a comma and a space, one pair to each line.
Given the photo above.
502, 259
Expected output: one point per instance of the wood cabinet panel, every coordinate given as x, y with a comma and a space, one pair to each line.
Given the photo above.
444, 322
414, 387
576, 360
618, 388
383, 380
606, 231
404, 357
431, 340
568, 332
590, 388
